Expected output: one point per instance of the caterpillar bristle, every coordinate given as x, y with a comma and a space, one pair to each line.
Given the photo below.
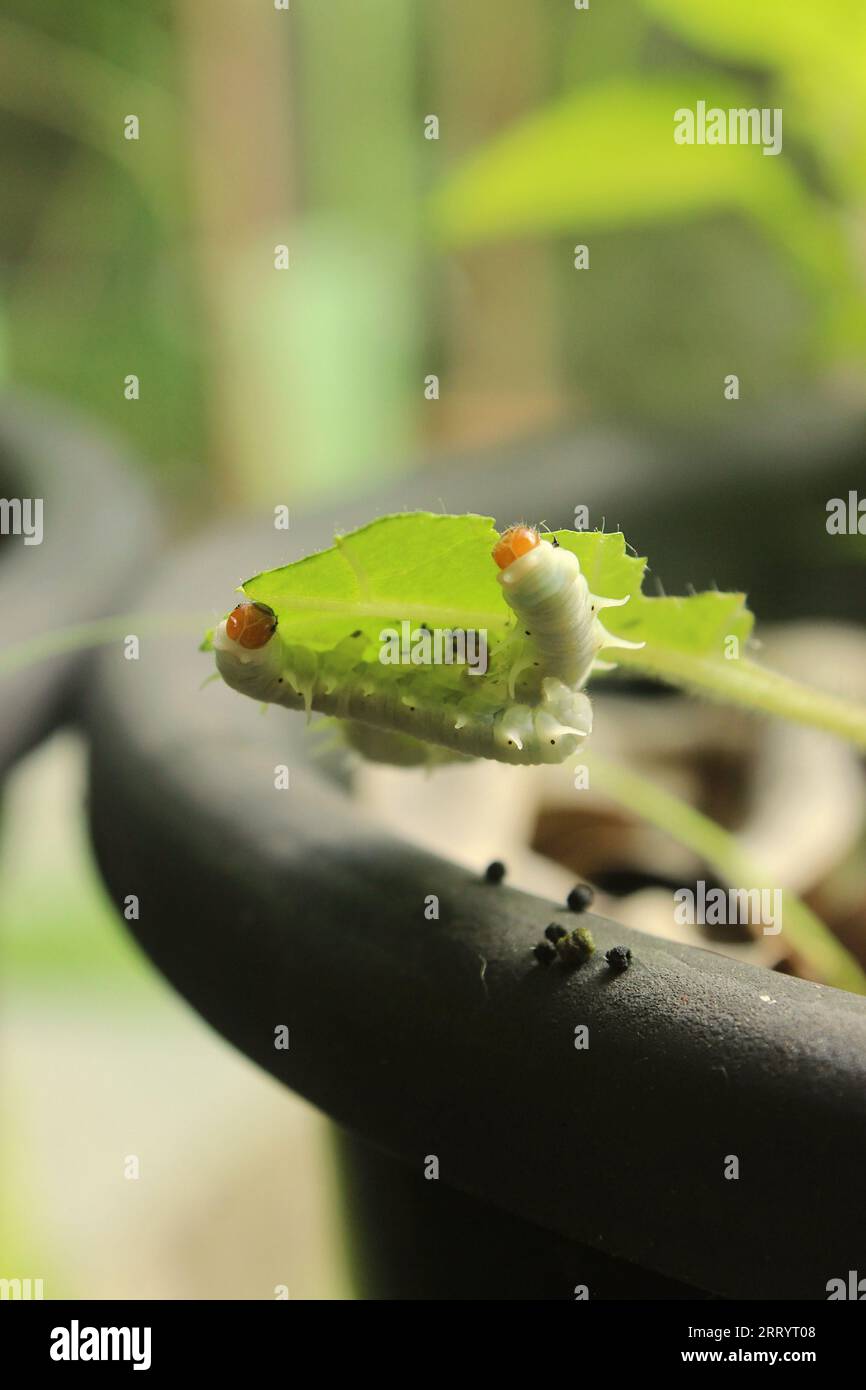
611, 640
600, 602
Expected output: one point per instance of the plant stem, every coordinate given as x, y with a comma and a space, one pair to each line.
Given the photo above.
744, 682
98, 633
721, 850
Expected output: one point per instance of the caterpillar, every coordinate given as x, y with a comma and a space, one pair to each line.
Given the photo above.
545, 587
549, 657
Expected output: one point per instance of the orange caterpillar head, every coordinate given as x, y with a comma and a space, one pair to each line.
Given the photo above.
251, 625
516, 541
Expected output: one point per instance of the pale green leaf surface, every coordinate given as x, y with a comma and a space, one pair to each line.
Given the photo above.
700, 623
418, 566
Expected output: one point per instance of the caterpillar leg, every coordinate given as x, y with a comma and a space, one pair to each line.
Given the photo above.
598, 602
609, 639
547, 732
395, 749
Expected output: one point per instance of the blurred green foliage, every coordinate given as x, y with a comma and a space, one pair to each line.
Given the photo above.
705, 260
709, 259
97, 282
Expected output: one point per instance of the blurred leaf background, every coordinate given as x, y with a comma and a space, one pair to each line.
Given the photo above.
407, 257
411, 256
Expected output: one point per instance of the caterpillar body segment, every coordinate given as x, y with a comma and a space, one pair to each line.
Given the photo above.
545, 587
480, 723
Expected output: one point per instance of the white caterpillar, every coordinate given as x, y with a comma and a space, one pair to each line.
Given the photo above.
545, 587
551, 657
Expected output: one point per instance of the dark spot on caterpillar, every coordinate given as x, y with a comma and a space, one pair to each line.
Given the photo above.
357, 632
555, 543
280, 681
575, 950
618, 957
495, 871
526, 633
544, 953
580, 897
553, 743
555, 932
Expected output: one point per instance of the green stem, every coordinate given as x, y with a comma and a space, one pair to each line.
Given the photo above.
719, 849
744, 682
98, 633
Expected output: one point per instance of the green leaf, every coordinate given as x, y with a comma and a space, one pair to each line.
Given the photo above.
427, 568
701, 624
423, 567
818, 57
805, 34
610, 569
604, 157
418, 566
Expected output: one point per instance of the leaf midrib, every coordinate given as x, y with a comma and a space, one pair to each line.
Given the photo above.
393, 608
